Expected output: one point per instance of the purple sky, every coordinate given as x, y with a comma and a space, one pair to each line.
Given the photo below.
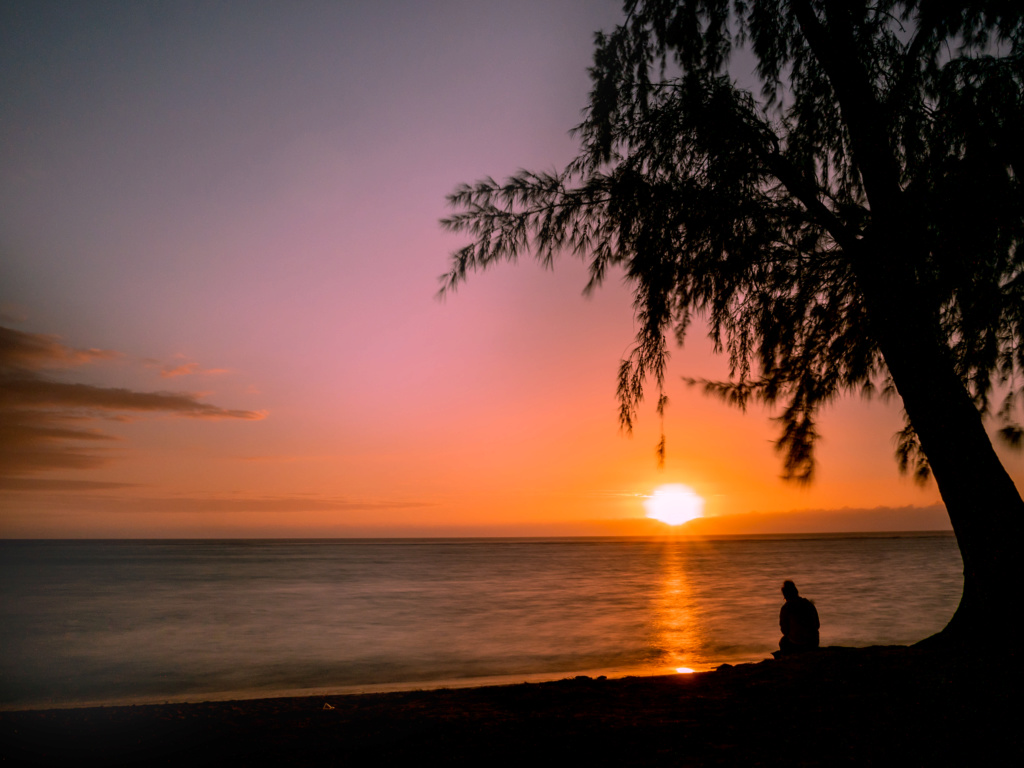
238, 202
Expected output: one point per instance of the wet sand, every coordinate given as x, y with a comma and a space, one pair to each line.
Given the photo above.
837, 706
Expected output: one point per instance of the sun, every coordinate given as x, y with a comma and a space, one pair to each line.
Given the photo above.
674, 504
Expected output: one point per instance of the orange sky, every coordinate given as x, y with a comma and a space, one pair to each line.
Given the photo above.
239, 211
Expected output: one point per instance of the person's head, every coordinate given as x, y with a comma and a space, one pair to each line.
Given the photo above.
789, 590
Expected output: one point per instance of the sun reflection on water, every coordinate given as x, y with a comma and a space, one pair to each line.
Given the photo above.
679, 631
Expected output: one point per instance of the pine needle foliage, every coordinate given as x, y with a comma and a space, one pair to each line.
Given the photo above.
750, 207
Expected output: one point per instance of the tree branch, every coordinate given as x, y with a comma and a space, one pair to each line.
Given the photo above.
807, 194
837, 54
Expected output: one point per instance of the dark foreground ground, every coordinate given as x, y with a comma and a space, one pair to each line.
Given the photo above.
838, 706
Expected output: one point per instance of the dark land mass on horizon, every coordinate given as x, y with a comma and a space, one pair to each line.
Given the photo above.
889, 705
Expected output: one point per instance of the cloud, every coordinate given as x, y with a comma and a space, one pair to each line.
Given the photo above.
215, 504
39, 440
136, 504
41, 393
47, 484
34, 351
185, 369
188, 368
47, 424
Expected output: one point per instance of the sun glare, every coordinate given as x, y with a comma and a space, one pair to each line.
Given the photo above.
674, 504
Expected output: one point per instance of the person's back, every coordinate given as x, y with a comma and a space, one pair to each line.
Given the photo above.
798, 621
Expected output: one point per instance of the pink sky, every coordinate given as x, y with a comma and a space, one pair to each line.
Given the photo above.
238, 204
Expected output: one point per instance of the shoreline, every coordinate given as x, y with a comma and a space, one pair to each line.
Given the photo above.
884, 705
354, 689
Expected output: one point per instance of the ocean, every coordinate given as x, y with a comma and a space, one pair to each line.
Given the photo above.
88, 622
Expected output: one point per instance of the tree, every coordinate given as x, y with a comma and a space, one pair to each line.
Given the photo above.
854, 226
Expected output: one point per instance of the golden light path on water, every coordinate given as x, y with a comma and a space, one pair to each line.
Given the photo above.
677, 621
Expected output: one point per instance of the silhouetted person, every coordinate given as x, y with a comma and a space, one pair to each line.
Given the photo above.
798, 620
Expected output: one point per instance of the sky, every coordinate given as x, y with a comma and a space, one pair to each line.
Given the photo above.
219, 262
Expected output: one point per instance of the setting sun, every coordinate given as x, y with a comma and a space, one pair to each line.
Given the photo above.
674, 504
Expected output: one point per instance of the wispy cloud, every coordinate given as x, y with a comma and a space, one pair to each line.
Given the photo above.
34, 351
47, 424
284, 503
48, 484
181, 366
140, 503
36, 440
52, 394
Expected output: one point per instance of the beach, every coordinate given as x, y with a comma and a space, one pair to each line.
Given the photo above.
885, 705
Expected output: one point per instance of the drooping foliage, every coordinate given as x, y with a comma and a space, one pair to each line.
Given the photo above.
748, 198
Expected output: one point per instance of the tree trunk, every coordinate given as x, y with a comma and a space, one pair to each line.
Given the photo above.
984, 506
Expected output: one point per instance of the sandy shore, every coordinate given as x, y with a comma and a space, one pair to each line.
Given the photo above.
838, 706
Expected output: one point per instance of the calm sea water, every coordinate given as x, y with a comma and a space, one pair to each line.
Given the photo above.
161, 620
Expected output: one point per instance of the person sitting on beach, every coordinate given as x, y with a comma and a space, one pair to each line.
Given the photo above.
798, 620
